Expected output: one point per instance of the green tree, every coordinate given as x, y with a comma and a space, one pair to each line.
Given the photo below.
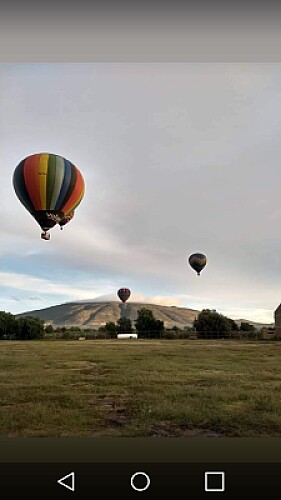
110, 327
233, 325
211, 324
49, 329
247, 327
30, 328
76, 330
249, 331
147, 325
175, 328
124, 325
8, 326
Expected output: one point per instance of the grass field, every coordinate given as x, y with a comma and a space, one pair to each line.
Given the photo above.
140, 388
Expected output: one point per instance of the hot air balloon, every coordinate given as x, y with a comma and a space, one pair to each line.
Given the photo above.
50, 187
197, 261
124, 294
66, 219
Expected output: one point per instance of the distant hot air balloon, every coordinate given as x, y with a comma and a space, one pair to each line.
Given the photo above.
124, 294
50, 188
197, 261
66, 219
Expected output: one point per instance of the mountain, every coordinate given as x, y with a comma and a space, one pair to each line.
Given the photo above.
254, 323
95, 314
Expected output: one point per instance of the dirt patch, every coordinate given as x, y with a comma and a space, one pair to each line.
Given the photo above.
167, 429
116, 412
202, 383
95, 372
112, 403
15, 405
117, 419
80, 365
104, 402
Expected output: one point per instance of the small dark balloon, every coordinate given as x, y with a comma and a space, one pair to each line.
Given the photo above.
197, 261
66, 219
124, 294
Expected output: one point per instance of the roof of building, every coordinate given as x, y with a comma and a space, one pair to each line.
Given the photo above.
278, 310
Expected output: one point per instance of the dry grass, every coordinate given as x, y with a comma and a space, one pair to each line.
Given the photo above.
140, 388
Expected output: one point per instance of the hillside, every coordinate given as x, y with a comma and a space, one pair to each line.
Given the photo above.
95, 314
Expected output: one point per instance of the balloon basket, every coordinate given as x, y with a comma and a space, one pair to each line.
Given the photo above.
45, 236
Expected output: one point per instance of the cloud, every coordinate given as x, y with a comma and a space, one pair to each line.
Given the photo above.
34, 298
257, 315
46, 287
163, 300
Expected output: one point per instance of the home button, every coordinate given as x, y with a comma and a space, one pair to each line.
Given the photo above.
140, 481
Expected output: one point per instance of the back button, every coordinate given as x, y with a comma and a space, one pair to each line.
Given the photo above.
68, 481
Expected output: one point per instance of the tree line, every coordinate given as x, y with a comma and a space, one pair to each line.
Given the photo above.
24, 328
209, 324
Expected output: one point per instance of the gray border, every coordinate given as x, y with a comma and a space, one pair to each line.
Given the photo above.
137, 450
179, 33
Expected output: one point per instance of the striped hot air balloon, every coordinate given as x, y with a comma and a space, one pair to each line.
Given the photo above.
50, 187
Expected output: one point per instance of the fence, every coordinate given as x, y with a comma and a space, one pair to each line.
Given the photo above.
168, 334
224, 335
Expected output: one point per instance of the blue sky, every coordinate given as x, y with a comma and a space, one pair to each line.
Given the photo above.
177, 158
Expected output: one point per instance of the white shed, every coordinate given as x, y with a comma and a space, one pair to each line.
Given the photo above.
127, 336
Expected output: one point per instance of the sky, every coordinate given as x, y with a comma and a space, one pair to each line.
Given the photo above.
177, 158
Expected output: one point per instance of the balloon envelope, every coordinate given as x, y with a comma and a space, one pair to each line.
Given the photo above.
49, 186
124, 294
197, 261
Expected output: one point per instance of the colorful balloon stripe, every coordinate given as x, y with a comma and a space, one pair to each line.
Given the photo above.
48, 182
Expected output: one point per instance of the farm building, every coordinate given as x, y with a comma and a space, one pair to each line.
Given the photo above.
127, 336
277, 318
268, 334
